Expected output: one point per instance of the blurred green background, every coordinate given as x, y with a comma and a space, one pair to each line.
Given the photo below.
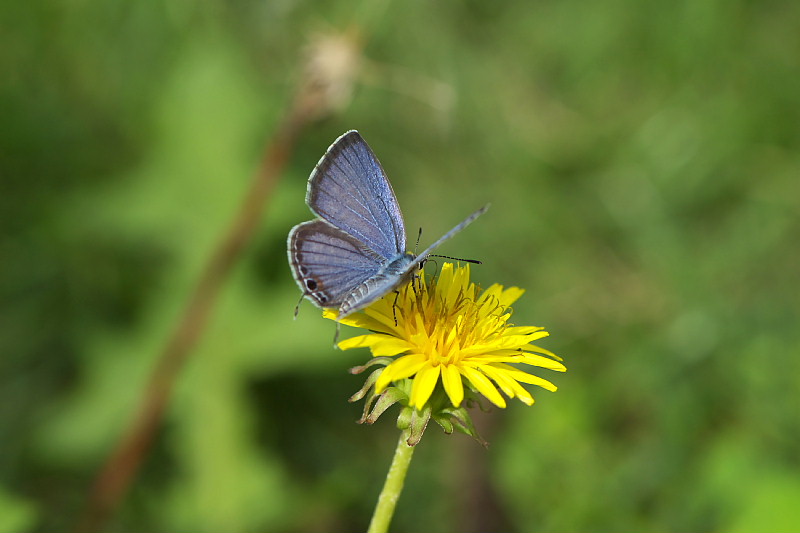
643, 164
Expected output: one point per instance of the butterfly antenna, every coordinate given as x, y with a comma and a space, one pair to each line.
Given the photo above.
419, 236
473, 261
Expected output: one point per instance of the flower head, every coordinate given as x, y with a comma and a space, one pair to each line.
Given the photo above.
448, 330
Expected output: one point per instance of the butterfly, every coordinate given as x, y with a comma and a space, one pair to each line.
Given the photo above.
355, 252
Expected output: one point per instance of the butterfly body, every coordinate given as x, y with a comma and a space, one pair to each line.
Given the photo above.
392, 275
355, 252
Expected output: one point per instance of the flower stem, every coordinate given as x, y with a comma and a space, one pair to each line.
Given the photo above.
393, 486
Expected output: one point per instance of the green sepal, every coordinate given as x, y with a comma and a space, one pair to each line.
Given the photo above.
386, 399
458, 418
368, 384
417, 423
384, 361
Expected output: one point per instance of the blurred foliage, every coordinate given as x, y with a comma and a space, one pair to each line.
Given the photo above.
643, 162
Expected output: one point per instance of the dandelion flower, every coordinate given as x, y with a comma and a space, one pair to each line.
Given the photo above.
449, 331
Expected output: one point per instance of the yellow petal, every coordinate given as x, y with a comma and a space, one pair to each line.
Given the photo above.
361, 341
499, 343
523, 330
540, 361
424, 383
445, 278
498, 377
484, 358
451, 340
390, 346
524, 377
489, 303
451, 379
484, 386
507, 382
517, 356
522, 393
401, 368
537, 349
492, 294
381, 318
451, 284
358, 320
511, 295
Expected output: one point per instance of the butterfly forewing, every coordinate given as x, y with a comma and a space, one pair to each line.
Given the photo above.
327, 263
349, 189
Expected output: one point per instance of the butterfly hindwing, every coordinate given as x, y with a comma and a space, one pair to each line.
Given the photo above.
328, 263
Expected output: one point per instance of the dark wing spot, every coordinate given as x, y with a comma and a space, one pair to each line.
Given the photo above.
311, 284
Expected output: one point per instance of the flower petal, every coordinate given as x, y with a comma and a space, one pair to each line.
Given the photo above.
379, 343
532, 348
401, 368
521, 392
357, 320
484, 386
540, 361
452, 283
520, 357
381, 317
503, 342
424, 383
498, 377
511, 295
524, 377
453, 386
523, 330
507, 382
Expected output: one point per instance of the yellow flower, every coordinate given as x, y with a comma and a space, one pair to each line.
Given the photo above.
448, 329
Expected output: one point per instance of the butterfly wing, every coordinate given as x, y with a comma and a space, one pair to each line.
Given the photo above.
327, 263
349, 189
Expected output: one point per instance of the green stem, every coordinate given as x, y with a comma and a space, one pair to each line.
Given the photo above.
393, 486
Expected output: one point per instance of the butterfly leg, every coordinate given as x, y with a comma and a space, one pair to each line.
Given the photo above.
394, 306
416, 277
336, 336
297, 307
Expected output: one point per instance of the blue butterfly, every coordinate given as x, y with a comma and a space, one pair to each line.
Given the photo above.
355, 252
